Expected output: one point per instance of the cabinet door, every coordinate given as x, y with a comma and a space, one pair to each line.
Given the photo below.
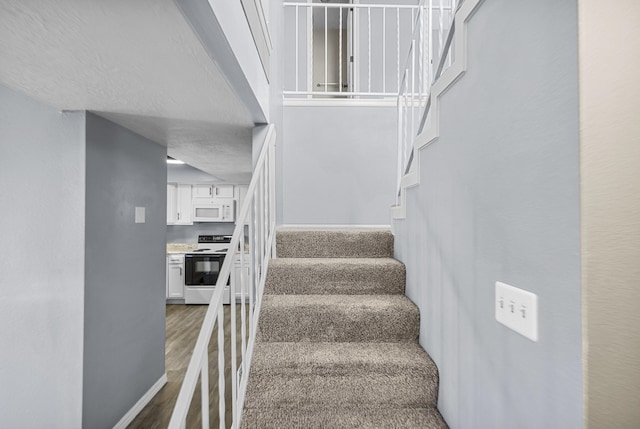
176, 281
184, 204
172, 203
202, 191
223, 191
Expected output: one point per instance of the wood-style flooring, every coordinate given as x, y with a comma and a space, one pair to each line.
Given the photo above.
182, 328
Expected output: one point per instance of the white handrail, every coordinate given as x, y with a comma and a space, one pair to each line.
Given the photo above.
412, 103
258, 211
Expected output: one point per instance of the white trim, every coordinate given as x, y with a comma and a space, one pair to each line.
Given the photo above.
333, 102
142, 402
449, 77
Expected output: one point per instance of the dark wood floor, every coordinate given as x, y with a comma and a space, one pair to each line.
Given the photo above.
182, 328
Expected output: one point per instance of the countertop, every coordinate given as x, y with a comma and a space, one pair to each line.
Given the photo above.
176, 248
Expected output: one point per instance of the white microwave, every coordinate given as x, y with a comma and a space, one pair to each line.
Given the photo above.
216, 211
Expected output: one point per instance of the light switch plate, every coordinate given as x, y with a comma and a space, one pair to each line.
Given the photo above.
517, 309
140, 215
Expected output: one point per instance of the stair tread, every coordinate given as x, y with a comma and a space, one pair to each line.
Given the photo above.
336, 243
351, 276
371, 418
340, 318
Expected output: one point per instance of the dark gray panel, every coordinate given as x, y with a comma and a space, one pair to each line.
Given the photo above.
124, 270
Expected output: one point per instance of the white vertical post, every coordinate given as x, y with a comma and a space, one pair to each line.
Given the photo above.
265, 208
441, 32
453, 14
384, 50
233, 341
272, 183
243, 311
220, 312
413, 89
340, 52
309, 50
297, 61
430, 30
326, 66
398, 45
369, 37
252, 249
204, 388
400, 143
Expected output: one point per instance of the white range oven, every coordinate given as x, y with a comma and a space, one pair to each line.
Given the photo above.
202, 268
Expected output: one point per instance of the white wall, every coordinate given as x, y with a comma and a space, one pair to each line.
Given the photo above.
42, 168
610, 170
338, 165
498, 200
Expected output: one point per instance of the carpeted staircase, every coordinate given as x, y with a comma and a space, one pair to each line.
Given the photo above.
337, 342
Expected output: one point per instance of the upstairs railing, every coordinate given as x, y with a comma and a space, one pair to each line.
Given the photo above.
430, 53
252, 245
343, 50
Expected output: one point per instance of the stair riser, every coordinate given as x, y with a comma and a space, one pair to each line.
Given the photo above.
334, 244
406, 390
343, 417
347, 280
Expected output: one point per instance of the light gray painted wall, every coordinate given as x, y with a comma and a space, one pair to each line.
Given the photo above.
338, 165
499, 201
42, 167
124, 315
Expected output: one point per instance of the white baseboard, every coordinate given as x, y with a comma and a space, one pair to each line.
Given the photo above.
135, 410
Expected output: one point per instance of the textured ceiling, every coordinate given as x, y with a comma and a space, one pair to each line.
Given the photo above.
137, 63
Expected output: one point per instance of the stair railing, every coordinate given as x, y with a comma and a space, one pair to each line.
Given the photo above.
431, 44
252, 245
346, 50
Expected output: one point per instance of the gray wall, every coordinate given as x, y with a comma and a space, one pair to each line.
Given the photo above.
124, 271
499, 201
338, 165
42, 166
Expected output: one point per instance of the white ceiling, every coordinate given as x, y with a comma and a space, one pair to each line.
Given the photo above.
135, 62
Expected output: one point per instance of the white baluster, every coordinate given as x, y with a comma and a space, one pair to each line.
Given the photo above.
204, 388
221, 404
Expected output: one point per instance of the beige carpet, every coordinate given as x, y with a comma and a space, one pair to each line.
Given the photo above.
337, 345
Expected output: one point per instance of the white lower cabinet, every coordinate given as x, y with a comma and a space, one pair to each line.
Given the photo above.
175, 276
235, 279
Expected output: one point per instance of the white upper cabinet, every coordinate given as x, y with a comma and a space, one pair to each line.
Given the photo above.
205, 191
172, 203
185, 207
202, 191
223, 191
179, 206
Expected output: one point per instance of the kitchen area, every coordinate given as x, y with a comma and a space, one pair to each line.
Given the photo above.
201, 214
